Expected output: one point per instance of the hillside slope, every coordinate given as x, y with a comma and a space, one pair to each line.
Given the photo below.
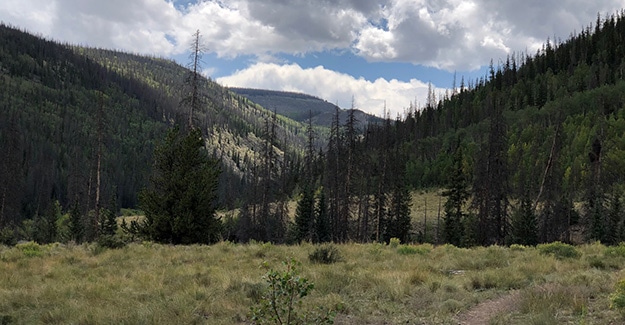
59, 101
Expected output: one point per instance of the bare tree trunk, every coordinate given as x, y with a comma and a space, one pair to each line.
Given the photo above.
99, 163
438, 220
425, 228
547, 168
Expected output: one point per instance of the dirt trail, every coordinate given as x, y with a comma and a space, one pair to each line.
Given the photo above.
483, 312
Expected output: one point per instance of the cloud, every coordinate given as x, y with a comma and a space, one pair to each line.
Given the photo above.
447, 34
369, 96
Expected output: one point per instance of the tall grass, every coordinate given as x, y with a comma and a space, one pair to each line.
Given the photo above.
148, 283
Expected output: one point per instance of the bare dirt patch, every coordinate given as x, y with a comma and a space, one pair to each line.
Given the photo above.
483, 312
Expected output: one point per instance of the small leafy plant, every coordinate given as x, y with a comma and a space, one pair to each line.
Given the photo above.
394, 242
282, 300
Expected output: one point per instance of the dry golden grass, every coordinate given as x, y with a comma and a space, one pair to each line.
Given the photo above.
146, 283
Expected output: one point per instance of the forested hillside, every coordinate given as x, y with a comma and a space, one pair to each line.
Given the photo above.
60, 103
533, 152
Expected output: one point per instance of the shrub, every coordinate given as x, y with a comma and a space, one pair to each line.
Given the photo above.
325, 254
559, 250
281, 302
615, 251
7, 237
617, 299
406, 250
411, 250
111, 241
517, 247
30, 249
394, 242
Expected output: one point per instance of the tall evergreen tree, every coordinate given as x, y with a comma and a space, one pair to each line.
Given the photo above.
179, 205
305, 216
76, 224
615, 220
323, 231
399, 220
457, 194
594, 206
524, 223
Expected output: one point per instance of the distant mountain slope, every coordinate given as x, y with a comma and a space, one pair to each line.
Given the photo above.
300, 107
57, 100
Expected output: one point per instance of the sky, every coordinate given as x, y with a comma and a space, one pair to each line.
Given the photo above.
380, 53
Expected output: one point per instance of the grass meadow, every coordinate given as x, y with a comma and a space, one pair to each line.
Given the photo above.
146, 283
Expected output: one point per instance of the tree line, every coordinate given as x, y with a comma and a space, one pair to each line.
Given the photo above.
532, 152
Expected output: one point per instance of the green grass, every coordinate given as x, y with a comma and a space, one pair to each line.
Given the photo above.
148, 283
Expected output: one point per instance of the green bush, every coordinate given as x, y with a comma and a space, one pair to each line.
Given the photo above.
325, 254
412, 250
282, 301
394, 242
559, 250
30, 249
7, 237
615, 251
617, 299
517, 247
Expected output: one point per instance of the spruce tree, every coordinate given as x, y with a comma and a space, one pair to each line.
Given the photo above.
524, 223
305, 216
179, 206
399, 213
323, 233
76, 225
615, 220
457, 194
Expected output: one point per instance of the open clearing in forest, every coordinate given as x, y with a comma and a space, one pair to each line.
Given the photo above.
373, 284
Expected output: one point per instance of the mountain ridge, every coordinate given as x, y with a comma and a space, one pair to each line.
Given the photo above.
301, 106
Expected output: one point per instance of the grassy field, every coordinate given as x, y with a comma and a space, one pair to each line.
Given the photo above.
146, 283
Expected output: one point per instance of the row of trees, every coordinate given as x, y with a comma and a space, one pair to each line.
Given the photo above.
516, 152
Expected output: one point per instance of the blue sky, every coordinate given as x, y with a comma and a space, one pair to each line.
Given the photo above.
383, 53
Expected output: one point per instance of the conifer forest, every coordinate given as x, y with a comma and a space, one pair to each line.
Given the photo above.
533, 152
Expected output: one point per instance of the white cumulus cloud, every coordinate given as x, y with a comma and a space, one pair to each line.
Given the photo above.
446, 34
369, 96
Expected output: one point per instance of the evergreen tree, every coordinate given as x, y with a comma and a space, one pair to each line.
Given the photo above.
399, 213
305, 216
595, 200
615, 220
524, 223
457, 194
108, 223
323, 233
179, 206
46, 229
76, 224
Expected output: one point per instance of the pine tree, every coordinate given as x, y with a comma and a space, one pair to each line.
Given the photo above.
524, 223
594, 204
179, 206
108, 223
46, 229
615, 220
194, 98
76, 225
323, 232
399, 213
305, 216
457, 194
